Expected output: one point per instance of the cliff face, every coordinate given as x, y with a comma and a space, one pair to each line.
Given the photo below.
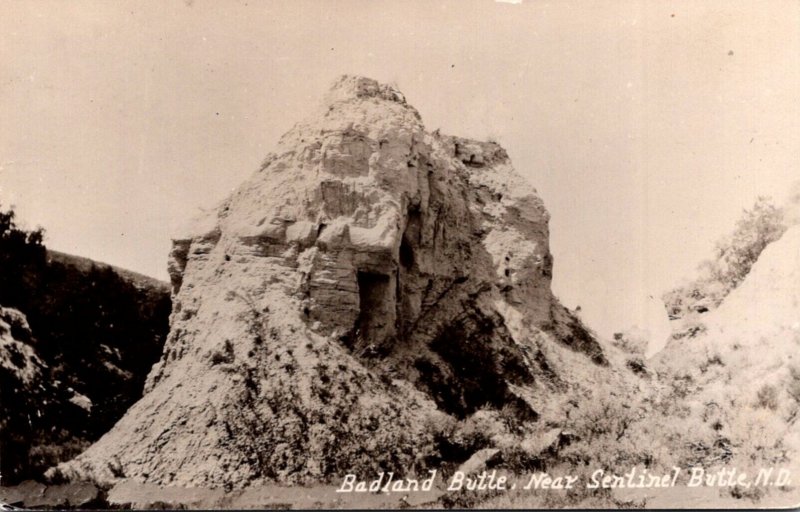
371, 280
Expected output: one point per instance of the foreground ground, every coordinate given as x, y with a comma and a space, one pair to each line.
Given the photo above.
141, 496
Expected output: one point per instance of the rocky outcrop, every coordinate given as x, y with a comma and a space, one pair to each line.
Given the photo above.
369, 281
688, 305
18, 360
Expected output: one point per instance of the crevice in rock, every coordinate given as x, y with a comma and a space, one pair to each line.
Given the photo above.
406, 254
408, 272
376, 295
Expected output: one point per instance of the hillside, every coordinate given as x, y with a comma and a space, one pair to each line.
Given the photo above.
739, 379
734, 256
85, 265
90, 331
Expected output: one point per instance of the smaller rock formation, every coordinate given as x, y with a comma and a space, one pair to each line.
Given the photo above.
739, 380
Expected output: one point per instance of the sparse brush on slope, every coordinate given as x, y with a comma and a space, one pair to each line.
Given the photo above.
734, 257
735, 386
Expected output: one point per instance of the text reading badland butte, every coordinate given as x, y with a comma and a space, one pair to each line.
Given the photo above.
636, 478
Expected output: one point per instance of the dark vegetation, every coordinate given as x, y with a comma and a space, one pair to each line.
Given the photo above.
98, 331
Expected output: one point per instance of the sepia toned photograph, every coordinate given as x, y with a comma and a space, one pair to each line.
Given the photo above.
384, 254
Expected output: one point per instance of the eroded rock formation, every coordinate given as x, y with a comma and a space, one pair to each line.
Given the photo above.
369, 281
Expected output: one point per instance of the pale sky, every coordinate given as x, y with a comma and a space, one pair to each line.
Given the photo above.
645, 126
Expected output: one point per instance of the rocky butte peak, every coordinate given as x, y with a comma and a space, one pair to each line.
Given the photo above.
369, 283
349, 87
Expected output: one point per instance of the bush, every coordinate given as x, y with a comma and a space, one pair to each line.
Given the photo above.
22, 253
